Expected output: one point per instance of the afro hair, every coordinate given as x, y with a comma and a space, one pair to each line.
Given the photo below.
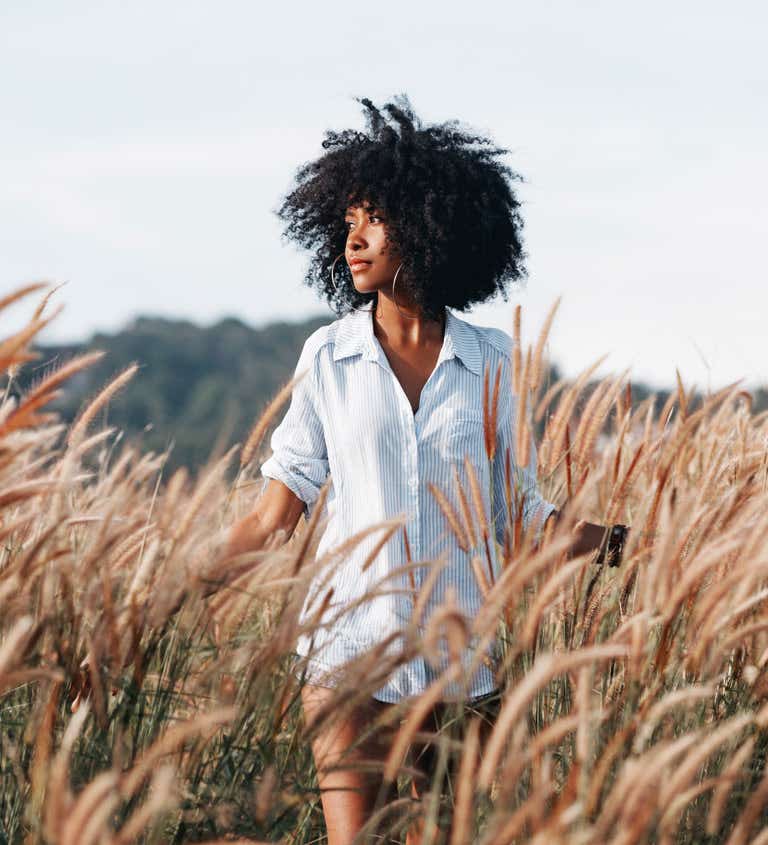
448, 203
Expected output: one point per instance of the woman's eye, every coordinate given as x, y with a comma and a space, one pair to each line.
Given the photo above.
372, 217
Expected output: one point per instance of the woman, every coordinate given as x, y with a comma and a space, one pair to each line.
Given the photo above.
403, 222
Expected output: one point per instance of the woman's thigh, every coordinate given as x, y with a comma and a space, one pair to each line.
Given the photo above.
350, 769
349, 763
340, 738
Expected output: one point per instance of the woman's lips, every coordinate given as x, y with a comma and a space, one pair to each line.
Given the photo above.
359, 265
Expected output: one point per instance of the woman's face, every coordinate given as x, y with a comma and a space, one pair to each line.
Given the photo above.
372, 261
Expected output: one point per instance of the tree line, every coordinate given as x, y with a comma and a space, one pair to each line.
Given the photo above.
201, 388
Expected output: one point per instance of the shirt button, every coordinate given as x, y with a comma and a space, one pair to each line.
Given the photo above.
413, 483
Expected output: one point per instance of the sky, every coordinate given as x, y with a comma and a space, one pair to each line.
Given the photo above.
144, 147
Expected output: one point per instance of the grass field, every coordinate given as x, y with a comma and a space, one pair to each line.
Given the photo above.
635, 700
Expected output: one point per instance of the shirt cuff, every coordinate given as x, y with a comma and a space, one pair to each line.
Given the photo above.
298, 484
537, 516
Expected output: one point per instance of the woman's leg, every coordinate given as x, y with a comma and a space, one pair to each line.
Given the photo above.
348, 794
426, 754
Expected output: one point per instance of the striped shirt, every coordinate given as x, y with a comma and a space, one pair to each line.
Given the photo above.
350, 417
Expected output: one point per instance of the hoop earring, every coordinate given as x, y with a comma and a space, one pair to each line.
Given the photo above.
336, 287
409, 316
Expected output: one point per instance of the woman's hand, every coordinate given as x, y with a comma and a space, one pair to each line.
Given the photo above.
588, 536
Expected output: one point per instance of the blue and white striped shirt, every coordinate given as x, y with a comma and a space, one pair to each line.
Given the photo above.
350, 417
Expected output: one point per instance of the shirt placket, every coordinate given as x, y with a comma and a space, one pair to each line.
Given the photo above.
412, 485
412, 424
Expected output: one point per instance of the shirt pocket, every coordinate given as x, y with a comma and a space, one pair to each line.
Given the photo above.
466, 438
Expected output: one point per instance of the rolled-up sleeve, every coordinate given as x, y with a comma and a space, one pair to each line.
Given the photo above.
524, 481
299, 458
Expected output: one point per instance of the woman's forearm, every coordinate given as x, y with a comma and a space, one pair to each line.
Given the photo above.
249, 534
252, 533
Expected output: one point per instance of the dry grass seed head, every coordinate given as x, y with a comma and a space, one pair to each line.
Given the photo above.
462, 831
544, 669
523, 432
257, 431
535, 378
468, 521
477, 498
554, 431
595, 421
13, 350
80, 424
450, 515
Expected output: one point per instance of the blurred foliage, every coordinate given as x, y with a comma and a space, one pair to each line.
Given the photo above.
197, 388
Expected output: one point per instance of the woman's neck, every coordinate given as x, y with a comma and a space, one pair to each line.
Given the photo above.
404, 325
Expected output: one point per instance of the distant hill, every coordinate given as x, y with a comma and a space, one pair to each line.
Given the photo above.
198, 387
194, 384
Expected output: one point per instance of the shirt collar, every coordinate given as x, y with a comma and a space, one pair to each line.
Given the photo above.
355, 336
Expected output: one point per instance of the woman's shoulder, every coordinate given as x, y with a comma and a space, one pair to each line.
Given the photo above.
495, 340
322, 337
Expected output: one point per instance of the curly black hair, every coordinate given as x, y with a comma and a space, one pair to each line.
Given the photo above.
448, 203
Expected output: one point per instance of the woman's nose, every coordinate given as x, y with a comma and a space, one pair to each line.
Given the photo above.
357, 235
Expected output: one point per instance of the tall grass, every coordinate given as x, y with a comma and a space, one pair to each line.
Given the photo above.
634, 701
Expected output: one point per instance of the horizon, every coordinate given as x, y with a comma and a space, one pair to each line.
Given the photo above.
224, 318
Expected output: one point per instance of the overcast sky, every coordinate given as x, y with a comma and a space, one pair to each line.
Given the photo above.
144, 146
